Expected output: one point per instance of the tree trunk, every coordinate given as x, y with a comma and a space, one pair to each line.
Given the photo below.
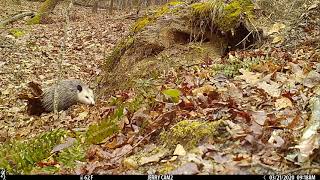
45, 9
111, 7
95, 6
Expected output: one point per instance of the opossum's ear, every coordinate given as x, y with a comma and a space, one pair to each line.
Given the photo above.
79, 88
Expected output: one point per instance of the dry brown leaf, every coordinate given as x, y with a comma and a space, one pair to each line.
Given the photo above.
312, 79
179, 151
276, 28
83, 115
259, 117
130, 163
272, 88
275, 140
186, 169
250, 77
152, 158
310, 137
283, 103
277, 39
256, 128
204, 89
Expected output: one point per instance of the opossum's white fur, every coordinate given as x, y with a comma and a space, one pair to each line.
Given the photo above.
69, 92
86, 96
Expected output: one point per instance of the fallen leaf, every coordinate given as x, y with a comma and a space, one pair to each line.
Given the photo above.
179, 151
250, 77
312, 79
174, 94
69, 142
204, 89
298, 74
186, 169
310, 137
83, 115
277, 39
259, 117
283, 103
275, 140
272, 89
276, 28
153, 158
256, 128
130, 163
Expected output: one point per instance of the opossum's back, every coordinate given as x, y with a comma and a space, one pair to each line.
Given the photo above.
67, 95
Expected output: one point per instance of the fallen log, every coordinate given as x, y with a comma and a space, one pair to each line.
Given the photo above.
16, 18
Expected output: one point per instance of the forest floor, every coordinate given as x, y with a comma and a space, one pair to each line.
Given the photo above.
193, 121
35, 55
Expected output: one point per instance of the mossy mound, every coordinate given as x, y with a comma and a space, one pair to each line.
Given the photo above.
172, 36
190, 133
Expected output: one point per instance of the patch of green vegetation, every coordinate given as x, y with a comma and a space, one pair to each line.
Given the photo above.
232, 13
168, 7
173, 94
65, 159
189, 133
224, 16
45, 8
121, 47
35, 20
167, 167
69, 156
233, 64
19, 157
109, 126
140, 24
206, 9
106, 128
17, 32
46, 170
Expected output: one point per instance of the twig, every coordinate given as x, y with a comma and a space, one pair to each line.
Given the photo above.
61, 56
300, 169
244, 38
267, 167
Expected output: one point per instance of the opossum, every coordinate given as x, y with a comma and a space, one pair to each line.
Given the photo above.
69, 92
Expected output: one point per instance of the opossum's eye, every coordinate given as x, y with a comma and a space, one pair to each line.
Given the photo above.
79, 88
87, 97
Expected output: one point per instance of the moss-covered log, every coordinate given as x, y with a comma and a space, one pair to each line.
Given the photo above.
45, 9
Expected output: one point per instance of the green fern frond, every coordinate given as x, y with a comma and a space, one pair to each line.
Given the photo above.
19, 157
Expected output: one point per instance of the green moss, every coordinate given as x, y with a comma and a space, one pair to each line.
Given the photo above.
45, 8
17, 32
114, 58
141, 23
224, 16
35, 20
207, 9
167, 167
232, 13
167, 8
189, 133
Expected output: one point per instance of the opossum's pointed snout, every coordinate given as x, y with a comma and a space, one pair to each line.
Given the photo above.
93, 103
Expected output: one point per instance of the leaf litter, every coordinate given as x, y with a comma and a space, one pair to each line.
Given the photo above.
263, 110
